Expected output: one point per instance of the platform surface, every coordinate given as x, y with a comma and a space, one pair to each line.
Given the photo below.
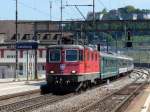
141, 103
8, 87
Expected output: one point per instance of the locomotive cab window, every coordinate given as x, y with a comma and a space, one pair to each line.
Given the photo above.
71, 55
54, 55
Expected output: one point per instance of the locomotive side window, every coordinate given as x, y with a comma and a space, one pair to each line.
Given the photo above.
71, 55
54, 55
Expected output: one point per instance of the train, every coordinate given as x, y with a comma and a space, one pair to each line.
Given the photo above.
80, 66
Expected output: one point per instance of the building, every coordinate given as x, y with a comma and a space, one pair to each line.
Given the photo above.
112, 15
98, 16
27, 31
25, 59
145, 16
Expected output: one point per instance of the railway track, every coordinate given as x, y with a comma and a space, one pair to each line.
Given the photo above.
33, 103
118, 100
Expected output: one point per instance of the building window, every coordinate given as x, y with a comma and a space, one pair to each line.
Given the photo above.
21, 54
40, 53
11, 56
20, 69
43, 67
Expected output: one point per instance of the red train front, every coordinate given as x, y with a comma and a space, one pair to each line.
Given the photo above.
71, 64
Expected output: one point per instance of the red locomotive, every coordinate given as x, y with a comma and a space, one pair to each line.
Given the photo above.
71, 64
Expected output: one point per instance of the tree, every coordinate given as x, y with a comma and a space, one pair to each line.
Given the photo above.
138, 11
104, 11
130, 9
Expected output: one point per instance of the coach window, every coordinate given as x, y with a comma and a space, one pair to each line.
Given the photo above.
81, 55
107, 63
71, 55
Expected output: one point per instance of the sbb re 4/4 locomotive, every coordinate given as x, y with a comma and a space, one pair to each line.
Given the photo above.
79, 65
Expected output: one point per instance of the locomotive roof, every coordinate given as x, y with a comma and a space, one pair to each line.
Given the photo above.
66, 46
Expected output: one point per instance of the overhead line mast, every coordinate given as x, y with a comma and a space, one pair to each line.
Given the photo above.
50, 11
93, 11
16, 23
94, 20
61, 19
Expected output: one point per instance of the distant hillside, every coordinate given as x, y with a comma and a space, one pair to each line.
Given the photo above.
124, 13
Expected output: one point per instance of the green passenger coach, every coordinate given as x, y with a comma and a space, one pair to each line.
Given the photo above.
112, 65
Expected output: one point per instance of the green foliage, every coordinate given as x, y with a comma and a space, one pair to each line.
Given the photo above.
129, 9
104, 11
141, 38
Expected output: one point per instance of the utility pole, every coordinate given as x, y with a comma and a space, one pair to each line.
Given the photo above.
16, 23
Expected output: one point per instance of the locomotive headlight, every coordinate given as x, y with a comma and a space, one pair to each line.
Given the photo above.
73, 72
52, 72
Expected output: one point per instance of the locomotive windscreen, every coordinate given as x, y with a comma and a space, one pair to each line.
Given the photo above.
54, 55
71, 55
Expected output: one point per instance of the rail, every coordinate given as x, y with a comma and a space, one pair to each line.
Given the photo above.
118, 100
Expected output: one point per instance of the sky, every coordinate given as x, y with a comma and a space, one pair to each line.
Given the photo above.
40, 9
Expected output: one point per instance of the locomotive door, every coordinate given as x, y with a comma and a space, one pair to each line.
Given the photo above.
86, 61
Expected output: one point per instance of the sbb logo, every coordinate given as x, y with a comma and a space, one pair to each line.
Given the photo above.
62, 66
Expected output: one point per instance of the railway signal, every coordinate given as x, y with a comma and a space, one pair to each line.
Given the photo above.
129, 42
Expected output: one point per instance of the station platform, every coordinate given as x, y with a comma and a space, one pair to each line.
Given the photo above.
8, 86
10, 80
141, 103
